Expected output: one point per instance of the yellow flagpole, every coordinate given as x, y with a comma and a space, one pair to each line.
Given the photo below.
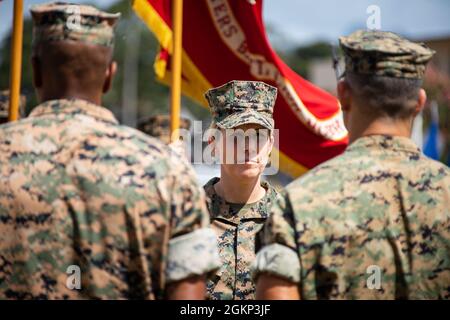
175, 93
16, 61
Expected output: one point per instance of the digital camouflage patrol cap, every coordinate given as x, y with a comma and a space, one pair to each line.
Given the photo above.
4, 105
58, 21
242, 102
385, 54
159, 126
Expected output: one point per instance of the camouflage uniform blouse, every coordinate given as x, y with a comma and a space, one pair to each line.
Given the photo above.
373, 223
237, 227
78, 190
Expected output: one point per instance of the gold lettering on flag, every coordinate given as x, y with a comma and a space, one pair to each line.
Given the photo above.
233, 36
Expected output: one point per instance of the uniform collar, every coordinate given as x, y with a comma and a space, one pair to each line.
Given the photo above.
73, 106
219, 208
385, 142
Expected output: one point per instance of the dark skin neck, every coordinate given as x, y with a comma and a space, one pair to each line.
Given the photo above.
71, 93
72, 70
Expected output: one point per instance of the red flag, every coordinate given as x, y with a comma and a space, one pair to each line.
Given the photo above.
226, 40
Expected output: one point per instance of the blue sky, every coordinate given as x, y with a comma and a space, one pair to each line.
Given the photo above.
300, 22
305, 21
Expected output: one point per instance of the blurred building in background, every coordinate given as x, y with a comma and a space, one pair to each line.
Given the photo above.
442, 47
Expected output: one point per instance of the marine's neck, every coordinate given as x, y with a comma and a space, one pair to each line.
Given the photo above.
384, 126
242, 191
69, 94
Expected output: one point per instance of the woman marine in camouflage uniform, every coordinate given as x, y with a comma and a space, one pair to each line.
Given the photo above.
239, 201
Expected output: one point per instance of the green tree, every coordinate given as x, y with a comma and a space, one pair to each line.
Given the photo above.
300, 58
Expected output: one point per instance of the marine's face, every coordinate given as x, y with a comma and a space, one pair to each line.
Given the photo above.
244, 151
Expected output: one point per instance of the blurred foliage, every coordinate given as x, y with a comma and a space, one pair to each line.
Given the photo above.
300, 58
5, 62
437, 86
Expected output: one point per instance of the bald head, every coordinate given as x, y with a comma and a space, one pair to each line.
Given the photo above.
71, 69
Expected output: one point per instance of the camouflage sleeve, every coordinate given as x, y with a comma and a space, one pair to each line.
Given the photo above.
194, 253
278, 255
192, 246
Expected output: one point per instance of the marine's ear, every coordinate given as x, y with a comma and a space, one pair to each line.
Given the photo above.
344, 95
109, 76
421, 101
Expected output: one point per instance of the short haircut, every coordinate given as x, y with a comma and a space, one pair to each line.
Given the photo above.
75, 60
383, 96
